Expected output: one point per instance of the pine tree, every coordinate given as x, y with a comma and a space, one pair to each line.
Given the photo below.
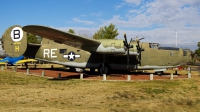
31, 38
71, 31
197, 51
106, 32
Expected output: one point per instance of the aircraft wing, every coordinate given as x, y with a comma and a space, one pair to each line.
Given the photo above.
60, 36
3, 63
25, 61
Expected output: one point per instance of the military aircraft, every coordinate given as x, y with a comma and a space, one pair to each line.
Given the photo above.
15, 60
105, 55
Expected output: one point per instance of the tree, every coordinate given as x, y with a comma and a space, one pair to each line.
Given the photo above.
106, 32
71, 31
197, 51
31, 38
84, 33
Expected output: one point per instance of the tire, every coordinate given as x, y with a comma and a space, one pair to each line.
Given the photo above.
92, 70
104, 70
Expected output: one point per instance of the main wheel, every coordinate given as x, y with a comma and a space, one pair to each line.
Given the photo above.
92, 70
104, 70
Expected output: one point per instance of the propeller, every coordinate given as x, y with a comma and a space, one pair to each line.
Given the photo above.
127, 46
139, 49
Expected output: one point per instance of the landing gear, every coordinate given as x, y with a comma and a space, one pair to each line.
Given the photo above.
159, 73
72, 69
104, 68
92, 70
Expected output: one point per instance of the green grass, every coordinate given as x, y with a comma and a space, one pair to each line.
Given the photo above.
21, 92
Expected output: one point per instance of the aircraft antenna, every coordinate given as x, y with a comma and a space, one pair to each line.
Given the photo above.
176, 37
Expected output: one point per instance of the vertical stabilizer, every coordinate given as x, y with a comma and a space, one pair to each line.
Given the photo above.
14, 41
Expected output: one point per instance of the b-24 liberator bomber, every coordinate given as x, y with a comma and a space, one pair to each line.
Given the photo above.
105, 54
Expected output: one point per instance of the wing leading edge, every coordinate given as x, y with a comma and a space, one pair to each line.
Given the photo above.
60, 36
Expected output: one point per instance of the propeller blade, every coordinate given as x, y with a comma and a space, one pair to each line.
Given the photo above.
128, 58
141, 38
125, 44
130, 41
125, 39
128, 46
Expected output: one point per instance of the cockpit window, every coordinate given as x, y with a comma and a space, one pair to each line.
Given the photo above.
184, 53
62, 51
153, 45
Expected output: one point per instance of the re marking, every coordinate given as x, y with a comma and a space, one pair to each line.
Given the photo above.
49, 53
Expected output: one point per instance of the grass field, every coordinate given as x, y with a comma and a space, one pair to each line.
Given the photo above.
20, 92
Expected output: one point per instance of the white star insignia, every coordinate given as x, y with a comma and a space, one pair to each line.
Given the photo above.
71, 56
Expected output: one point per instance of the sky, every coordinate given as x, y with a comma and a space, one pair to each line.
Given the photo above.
159, 21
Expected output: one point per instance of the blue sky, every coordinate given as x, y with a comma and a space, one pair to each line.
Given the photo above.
156, 20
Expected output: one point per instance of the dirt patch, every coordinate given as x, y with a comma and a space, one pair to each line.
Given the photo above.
67, 74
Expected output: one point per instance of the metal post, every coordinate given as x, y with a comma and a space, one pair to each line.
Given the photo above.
6, 67
176, 72
189, 72
43, 74
129, 78
151, 76
35, 66
59, 75
14, 68
2, 67
104, 77
171, 76
199, 70
26, 65
176, 37
81, 76
28, 71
